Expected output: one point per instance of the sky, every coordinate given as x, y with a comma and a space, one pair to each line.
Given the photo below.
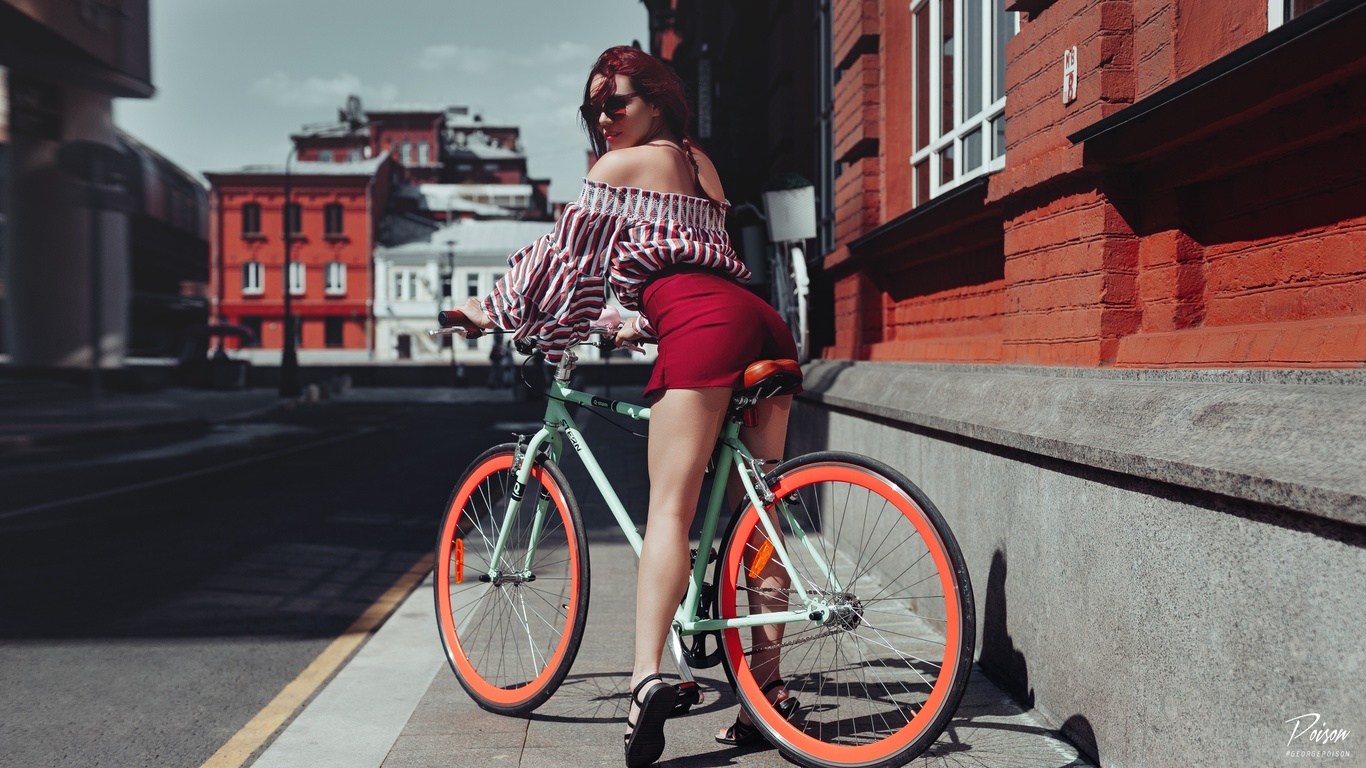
235, 77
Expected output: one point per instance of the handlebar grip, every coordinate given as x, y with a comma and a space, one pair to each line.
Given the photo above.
454, 318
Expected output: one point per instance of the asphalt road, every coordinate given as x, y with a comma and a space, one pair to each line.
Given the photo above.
156, 592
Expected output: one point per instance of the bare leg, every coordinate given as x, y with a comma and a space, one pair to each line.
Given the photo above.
768, 591
684, 424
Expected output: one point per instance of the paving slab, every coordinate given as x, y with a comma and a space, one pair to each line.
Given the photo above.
582, 724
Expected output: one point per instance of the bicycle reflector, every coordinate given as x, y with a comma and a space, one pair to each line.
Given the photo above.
760, 559
459, 569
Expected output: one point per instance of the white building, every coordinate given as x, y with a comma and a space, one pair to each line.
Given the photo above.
411, 280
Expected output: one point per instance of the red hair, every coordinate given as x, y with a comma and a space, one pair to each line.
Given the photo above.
653, 81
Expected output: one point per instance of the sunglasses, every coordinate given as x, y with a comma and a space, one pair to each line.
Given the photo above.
613, 106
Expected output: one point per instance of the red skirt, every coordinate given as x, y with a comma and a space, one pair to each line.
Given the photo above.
710, 329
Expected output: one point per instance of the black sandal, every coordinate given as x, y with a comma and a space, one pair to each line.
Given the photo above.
741, 735
645, 743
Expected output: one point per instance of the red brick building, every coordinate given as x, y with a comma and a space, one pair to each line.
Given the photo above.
337, 207
1098, 289
372, 178
1196, 202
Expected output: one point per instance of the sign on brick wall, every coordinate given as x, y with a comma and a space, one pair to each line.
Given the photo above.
1069, 75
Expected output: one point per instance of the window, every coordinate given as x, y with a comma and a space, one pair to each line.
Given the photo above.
404, 286
253, 324
296, 278
294, 218
353, 156
334, 331
332, 220
1279, 12
958, 91
406, 150
251, 219
423, 152
334, 278
253, 278
471, 285
324, 155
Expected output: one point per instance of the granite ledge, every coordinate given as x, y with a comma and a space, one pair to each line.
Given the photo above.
1291, 439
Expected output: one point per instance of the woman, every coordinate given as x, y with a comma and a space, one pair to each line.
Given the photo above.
650, 223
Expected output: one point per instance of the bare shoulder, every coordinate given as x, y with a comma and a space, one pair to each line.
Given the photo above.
655, 167
625, 167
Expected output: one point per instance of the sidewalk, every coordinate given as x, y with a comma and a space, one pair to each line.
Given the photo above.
397, 704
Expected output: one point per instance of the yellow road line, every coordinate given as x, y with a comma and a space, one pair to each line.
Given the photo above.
255, 733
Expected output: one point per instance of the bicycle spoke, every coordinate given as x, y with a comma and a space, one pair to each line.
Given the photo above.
517, 638
865, 671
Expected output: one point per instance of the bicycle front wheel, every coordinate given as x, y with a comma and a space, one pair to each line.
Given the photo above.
881, 665
511, 624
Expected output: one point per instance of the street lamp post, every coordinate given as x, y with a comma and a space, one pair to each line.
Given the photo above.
289, 359
450, 291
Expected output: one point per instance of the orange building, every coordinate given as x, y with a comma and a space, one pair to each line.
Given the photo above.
334, 212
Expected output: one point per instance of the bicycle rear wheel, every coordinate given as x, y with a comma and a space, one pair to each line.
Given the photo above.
879, 680
511, 632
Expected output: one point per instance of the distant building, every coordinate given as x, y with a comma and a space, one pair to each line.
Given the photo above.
457, 262
335, 209
168, 256
372, 191
65, 266
416, 280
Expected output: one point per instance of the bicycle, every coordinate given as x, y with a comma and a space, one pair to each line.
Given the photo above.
880, 625
790, 285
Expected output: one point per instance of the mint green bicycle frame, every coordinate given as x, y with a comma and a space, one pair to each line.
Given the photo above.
558, 422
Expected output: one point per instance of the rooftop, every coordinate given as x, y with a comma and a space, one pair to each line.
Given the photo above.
311, 168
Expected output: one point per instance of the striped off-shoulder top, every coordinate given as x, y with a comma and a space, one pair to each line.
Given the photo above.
615, 236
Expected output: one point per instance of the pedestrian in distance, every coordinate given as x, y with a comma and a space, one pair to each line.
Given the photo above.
650, 226
499, 357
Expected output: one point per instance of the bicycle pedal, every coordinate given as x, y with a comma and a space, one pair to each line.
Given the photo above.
689, 693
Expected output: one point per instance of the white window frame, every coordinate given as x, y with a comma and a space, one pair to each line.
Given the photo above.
324, 155
334, 278
423, 153
253, 278
1275, 14
406, 283
298, 278
406, 152
963, 125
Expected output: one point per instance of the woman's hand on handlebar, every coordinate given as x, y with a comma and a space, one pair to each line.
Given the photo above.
627, 336
474, 317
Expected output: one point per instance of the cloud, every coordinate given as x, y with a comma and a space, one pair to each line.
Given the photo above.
563, 52
476, 60
285, 90
465, 59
